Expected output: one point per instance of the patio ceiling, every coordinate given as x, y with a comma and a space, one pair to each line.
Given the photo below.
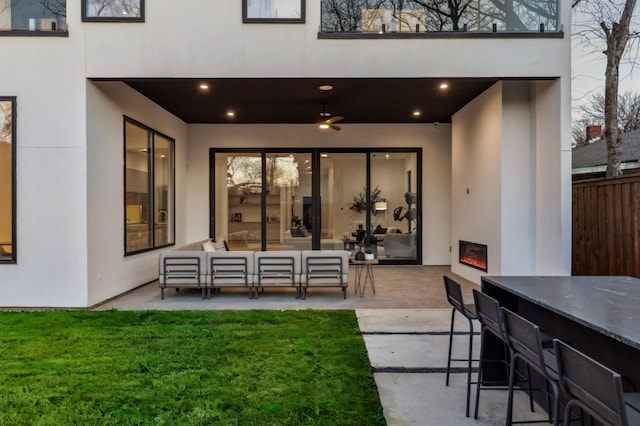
299, 100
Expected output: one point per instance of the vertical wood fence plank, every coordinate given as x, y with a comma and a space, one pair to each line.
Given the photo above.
606, 226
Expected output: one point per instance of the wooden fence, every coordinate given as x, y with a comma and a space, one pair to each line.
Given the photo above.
606, 226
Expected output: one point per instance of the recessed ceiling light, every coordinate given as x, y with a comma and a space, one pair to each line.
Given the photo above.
387, 156
204, 86
417, 113
444, 86
231, 114
324, 155
325, 87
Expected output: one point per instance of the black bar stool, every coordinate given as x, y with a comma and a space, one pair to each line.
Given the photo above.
454, 296
594, 388
491, 321
525, 341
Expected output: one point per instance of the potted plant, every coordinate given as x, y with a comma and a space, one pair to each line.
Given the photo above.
368, 253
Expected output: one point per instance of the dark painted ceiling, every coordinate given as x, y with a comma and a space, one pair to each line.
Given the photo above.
297, 101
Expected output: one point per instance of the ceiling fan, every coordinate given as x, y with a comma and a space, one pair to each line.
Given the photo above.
326, 121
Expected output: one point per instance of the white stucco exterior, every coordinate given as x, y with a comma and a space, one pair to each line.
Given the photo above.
499, 174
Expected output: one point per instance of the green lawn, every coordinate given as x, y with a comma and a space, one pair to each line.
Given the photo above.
185, 368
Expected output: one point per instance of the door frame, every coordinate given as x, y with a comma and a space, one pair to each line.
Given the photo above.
316, 190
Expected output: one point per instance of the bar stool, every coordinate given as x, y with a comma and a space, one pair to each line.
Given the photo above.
454, 296
525, 341
594, 388
490, 317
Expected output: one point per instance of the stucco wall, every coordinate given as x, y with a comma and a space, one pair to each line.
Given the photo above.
47, 75
110, 272
509, 177
204, 38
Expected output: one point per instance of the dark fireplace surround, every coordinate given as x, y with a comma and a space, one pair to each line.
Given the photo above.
473, 255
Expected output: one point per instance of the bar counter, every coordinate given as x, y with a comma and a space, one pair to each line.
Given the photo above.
598, 315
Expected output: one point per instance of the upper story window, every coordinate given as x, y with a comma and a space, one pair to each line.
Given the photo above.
33, 17
149, 165
112, 10
7, 180
277, 11
436, 16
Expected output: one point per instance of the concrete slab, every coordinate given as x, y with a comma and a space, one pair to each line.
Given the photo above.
416, 351
411, 320
423, 399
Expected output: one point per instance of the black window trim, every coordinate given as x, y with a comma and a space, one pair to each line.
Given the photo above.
136, 19
301, 20
153, 133
14, 232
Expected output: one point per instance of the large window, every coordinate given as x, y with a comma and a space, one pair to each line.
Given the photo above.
149, 188
276, 199
113, 10
7, 179
33, 17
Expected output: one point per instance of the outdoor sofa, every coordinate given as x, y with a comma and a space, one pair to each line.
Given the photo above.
201, 265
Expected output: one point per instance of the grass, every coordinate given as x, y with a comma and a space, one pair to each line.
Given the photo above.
185, 368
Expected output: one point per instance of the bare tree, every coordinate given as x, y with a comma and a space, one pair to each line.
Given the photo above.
346, 15
593, 112
446, 11
609, 22
57, 8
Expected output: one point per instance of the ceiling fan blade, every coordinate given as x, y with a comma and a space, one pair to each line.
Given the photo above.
335, 119
334, 127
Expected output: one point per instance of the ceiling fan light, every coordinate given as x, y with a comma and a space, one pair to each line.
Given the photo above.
323, 126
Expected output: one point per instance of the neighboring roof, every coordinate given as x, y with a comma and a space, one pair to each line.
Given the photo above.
595, 153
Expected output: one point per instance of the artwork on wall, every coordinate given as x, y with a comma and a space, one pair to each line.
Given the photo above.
265, 11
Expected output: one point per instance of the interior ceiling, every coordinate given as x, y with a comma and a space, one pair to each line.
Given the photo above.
299, 100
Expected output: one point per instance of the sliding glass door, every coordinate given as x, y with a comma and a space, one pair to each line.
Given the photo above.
321, 199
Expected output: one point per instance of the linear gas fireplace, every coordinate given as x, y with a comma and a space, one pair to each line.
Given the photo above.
473, 254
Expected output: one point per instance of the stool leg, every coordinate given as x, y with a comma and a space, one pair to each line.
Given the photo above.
469, 366
453, 316
512, 373
479, 379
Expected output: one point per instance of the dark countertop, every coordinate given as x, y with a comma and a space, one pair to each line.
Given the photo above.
608, 305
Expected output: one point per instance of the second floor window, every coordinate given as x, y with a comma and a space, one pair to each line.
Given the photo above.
113, 10
382, 16
33, 16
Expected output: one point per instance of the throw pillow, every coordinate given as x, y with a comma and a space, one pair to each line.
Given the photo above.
208, 246
220, 245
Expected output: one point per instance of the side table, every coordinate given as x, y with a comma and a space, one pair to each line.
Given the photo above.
364, 267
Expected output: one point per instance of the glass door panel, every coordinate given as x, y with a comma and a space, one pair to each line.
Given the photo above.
288, 211
343, 178
394, 210
238, 213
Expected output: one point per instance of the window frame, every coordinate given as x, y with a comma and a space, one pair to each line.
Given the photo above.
14, 232
86, 18
171, 220
248, 20
61, 29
